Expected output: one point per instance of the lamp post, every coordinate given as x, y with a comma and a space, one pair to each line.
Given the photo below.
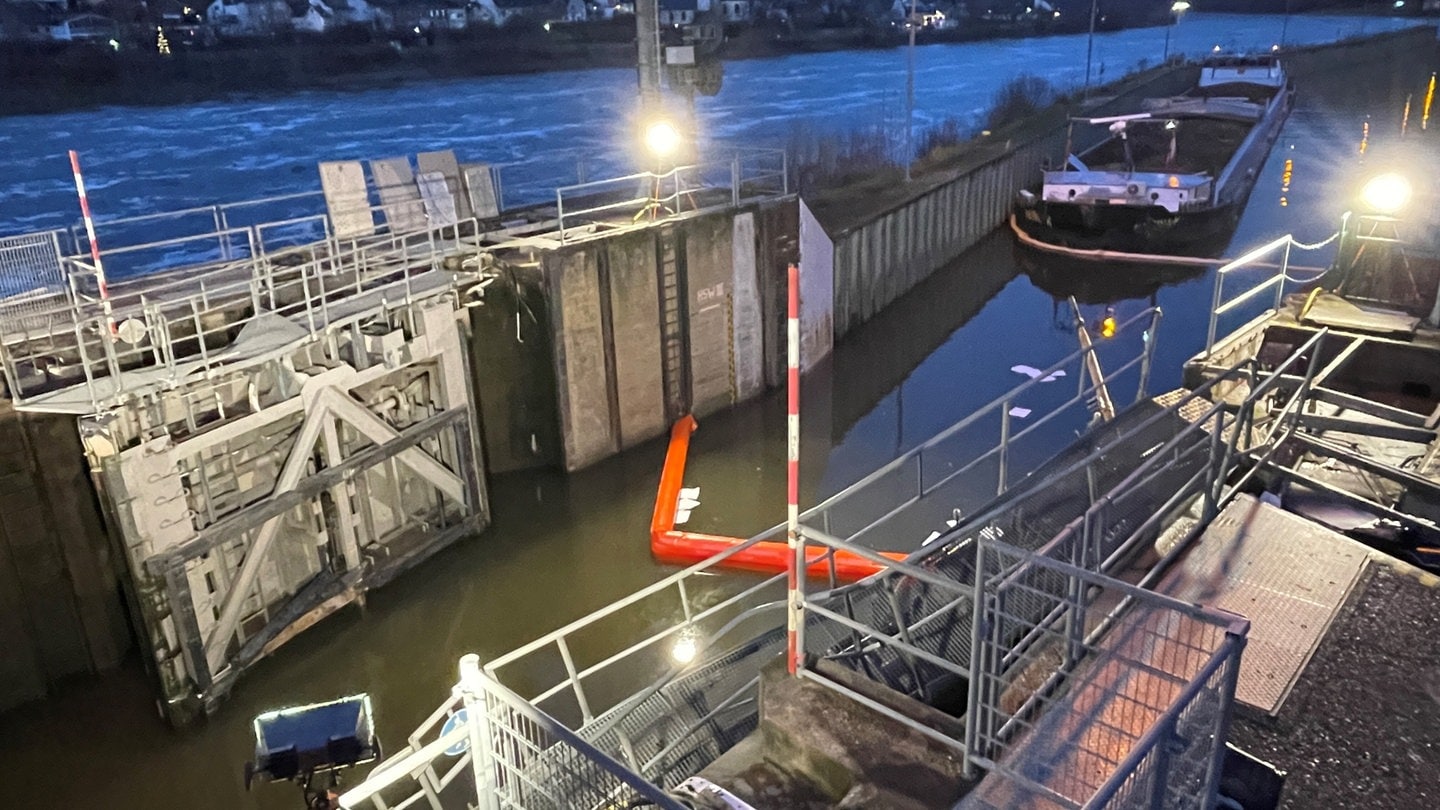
1176, 9
910, 92
1090, 44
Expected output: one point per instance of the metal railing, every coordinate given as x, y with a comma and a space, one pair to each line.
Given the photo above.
1130, 713
186, 323
622, 202
31, 273
515, 755
1046, 626
957, 469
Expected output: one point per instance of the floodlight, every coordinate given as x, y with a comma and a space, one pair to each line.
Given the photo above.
1386, 193
661, 138
300, 743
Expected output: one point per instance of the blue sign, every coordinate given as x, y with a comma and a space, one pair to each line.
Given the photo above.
453, 722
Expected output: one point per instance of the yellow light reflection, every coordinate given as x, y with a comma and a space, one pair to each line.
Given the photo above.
1429, 98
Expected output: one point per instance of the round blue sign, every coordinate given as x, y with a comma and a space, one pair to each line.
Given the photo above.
453, 722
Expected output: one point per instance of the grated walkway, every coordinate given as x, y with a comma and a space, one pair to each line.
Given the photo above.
1286, 574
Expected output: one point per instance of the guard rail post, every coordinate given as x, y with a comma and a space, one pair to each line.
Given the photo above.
477, 713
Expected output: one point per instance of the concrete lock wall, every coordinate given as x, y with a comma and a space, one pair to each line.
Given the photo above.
61, 613
877, 262
608, 320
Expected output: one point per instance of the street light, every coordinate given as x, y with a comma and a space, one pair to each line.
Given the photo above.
1176, 9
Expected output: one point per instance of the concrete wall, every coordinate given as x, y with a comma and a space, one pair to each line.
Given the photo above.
608, 328
709, 259
817, 290
61, 612
877, 262
634, 302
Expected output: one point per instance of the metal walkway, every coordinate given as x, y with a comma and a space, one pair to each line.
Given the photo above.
1287, 574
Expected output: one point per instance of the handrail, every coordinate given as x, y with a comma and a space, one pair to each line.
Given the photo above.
1220, 306
975, 415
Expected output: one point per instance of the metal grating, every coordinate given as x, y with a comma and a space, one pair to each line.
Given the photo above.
30, 274
1287, 575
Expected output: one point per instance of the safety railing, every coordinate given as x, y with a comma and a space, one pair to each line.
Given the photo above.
978, 457
30, 275
183, 323
646, 197
1130, 713
571, 672
1271, 262
515, 756
1220, 306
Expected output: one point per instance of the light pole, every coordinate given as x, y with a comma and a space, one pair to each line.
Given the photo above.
910, 92
1090, 46
1176, 9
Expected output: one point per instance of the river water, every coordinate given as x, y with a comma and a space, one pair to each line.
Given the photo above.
564, 545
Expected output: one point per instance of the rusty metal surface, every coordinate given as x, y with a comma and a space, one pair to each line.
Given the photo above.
1287, 575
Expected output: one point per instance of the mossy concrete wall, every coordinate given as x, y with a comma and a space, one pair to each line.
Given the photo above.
61, 613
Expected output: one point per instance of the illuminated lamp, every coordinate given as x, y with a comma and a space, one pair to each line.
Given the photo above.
1386, 193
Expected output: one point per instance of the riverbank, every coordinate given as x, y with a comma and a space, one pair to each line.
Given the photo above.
46, 79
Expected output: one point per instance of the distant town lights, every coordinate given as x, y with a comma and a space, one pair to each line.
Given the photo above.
662, 139
1386, 193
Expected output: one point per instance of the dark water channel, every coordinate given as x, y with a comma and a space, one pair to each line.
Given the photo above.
564, 545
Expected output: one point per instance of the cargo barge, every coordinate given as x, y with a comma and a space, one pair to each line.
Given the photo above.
1172, 178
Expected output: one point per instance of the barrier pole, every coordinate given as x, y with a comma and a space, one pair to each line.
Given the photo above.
794, 618
94, 245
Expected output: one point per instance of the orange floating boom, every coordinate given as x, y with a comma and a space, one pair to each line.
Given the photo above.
688, 548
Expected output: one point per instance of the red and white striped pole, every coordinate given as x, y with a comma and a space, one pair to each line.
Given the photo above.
90, 234
796, 570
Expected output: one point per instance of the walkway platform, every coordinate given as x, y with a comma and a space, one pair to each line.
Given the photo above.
1288, 575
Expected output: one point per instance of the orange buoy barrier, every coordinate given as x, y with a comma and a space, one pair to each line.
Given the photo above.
766, 557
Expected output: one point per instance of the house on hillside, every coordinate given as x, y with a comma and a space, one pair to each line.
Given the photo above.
310, 16
501, 12
236, 19
681, 12
735, 11
85, 28
455, 15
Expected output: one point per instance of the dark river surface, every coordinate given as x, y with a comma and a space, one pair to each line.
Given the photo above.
562, 546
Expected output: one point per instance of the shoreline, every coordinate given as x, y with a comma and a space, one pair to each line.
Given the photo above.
78, 79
